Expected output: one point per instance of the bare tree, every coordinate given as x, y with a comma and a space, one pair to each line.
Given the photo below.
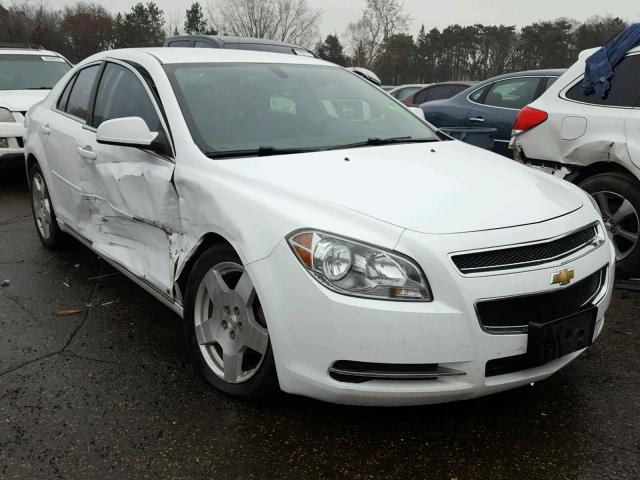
285, 20
25, 22
88, 29
380, 20
173, 25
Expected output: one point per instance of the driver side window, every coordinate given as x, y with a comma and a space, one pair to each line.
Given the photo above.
120, 95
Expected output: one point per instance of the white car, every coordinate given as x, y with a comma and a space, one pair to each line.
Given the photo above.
359, 260
595, 143
27, 74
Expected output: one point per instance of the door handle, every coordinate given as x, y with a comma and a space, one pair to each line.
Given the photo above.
45, 128
87, 153
476, 119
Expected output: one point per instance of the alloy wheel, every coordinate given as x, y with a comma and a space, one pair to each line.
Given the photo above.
41, 206
621, 222
229, 325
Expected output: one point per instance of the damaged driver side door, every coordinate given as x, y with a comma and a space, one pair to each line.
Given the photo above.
133, 204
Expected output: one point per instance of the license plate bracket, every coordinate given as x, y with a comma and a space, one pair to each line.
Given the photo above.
552, 340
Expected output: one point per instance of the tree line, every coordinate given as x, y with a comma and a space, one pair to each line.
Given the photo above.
82, 29
473, 52
378, 40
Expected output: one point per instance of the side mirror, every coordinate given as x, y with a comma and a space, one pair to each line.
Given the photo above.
417, 111
126, 132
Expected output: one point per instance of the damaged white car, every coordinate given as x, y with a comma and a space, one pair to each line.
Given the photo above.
595, 143
315, 235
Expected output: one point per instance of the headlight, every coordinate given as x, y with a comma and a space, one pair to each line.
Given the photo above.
353, 268
6, 115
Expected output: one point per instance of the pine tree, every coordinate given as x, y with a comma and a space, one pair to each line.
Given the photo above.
331, 50
142, 26
195, 22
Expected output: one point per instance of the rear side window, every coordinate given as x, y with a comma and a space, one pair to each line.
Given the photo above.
625, 86
201, 44
64, 98
180, 43
444, 92
550, 81
120, 95
513, 93
425, 95
405, 92
456, 89
478, 94
80, 94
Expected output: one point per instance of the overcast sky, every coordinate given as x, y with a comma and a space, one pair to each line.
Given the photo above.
434, 13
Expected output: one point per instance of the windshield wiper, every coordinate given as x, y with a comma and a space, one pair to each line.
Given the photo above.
375, 141
264, 151
37, 88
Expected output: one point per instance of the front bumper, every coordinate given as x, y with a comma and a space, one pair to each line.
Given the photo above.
13, 134
311, 328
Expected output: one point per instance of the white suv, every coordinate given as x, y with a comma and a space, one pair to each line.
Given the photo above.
595, 143
27, 74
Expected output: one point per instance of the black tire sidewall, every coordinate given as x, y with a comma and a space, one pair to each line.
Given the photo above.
264, 384
630, 189
56, 237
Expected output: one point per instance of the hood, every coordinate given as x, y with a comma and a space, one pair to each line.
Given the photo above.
21, 100
438, 188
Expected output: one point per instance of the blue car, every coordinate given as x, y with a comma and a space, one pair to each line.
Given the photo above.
494, 103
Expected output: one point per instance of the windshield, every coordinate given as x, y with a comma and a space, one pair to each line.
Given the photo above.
31, 72
275, 107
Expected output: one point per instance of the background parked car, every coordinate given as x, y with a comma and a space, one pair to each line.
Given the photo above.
595, 143
237, 43
494, 103
27, 74
403, 91
366, 74
435, 91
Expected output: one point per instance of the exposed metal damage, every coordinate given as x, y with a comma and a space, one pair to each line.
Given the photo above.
151, 243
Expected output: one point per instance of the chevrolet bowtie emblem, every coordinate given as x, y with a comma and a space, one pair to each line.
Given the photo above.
563, 277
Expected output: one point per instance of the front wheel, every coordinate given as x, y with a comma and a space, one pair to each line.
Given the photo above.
226, 328
618, 197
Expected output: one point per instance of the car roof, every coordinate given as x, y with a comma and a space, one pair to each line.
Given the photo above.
590, 51
176, 55
551, 72
27, 51
455, 82
411, 85
223, 39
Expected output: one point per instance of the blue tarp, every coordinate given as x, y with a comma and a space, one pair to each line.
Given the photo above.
600, 65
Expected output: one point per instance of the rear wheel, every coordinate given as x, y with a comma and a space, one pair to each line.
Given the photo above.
226, 328
618, 197
43, 214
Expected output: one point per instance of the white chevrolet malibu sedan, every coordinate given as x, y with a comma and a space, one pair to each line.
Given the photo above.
314, 234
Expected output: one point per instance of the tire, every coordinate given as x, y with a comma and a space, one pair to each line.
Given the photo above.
220, 326
618, 197
44, 216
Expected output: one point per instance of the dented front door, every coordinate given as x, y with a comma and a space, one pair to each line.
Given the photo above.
133, 209
129, 196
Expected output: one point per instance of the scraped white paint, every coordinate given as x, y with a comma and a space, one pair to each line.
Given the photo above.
579, 134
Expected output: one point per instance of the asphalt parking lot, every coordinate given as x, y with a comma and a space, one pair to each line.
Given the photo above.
107, 393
